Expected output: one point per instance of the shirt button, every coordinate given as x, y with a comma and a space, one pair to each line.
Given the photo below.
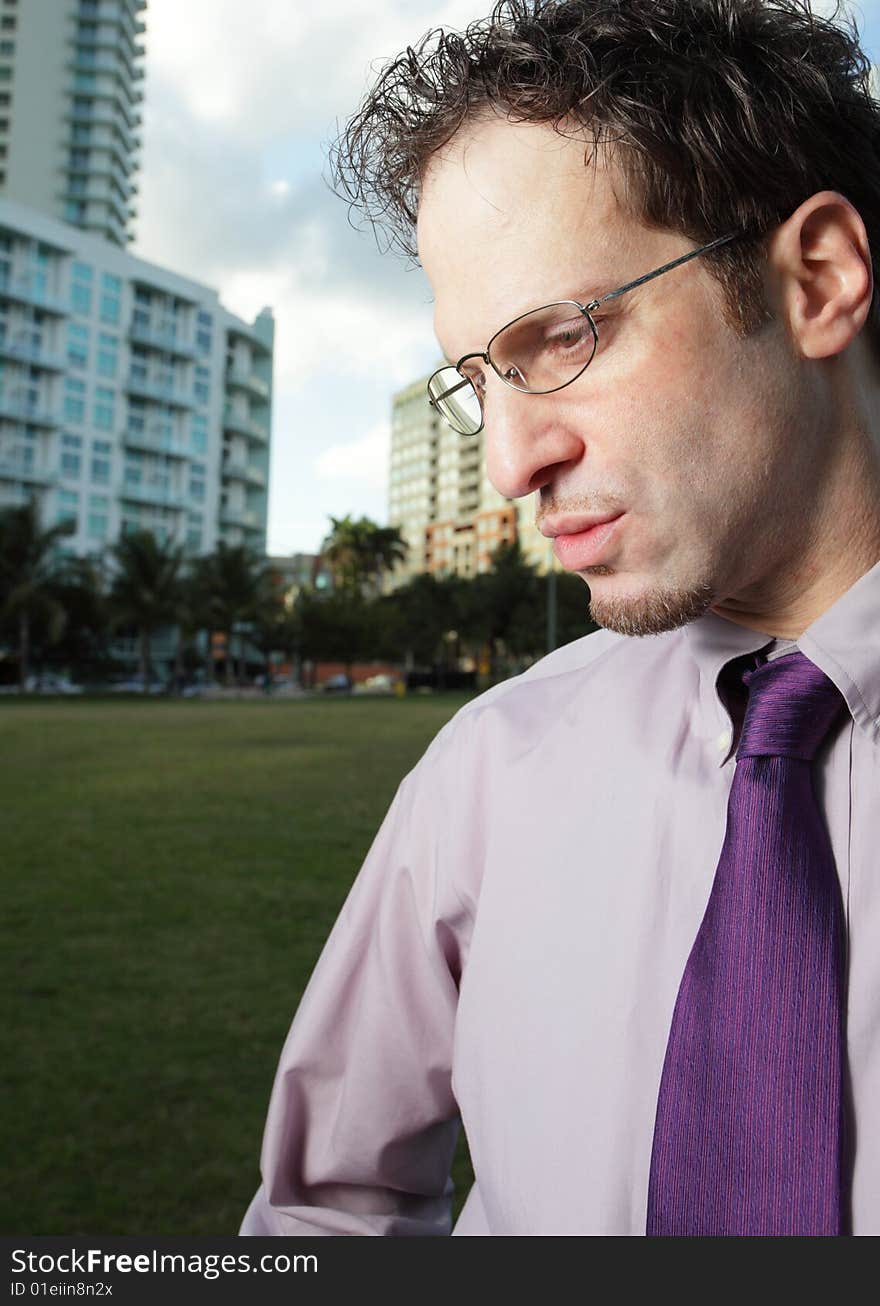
723, 741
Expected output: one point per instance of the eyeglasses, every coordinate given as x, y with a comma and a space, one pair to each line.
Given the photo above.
537, 353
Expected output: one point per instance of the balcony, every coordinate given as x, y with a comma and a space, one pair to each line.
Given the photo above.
247, 381
16, 471
238, 471
21, 290
154, 495
162, 340
159, 393
241, 517
28, 413
30, 354
150, 444
239, 425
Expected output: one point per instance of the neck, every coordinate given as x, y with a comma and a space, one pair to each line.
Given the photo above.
837, 542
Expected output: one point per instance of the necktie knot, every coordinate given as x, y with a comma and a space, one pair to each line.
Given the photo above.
792, 706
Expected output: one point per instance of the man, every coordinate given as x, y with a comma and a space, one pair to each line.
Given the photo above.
622, 916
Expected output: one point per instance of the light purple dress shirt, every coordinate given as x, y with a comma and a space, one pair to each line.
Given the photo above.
513, 945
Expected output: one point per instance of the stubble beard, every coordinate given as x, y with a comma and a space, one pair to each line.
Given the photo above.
651, 613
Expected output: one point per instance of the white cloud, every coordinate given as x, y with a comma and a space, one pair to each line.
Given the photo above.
365, 459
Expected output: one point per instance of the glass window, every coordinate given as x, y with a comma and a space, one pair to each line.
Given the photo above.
199, 433
77, 345
71, 458
202, 388
82, 272
101, 468
197, 481
68, 506
104, 406
74, 400
111, 283
99, 505
108, 356
110, 308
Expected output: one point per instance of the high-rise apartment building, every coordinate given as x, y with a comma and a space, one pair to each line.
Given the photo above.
130, 398
440, 497
70, 96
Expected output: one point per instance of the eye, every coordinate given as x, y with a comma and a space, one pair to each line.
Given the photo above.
476, 375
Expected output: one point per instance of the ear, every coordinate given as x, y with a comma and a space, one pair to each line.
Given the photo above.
820, 262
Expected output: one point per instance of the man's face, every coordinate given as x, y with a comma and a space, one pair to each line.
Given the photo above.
702, 440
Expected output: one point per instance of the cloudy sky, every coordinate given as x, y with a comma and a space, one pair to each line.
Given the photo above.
241, 102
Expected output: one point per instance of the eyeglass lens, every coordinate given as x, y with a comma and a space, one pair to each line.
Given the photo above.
539, 352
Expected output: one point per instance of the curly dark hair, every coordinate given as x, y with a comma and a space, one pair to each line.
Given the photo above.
722, 115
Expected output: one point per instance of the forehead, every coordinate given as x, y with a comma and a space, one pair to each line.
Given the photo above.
512, 215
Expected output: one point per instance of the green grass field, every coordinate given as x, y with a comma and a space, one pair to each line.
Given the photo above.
170, 873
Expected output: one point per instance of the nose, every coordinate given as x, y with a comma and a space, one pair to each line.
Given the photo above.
527, 439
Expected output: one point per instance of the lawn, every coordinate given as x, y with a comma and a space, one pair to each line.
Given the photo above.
170, 873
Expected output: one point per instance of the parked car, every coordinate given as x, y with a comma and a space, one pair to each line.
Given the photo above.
337, 685
50, 682
135, 685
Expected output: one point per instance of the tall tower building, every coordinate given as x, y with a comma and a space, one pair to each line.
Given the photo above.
447, 510
70, 96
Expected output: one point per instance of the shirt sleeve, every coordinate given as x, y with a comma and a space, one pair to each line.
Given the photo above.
362, 1121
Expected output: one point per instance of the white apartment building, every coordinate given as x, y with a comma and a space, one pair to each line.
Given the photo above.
129, 396
71, 76
440, 497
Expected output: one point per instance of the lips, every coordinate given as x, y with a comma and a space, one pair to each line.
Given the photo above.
579, 542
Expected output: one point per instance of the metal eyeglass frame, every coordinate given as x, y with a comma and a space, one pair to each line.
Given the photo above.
586, 309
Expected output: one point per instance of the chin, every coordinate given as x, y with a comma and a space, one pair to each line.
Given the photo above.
651, 610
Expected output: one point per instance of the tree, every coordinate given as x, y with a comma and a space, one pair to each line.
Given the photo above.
231, 579
360, 552
144, 589
29, 565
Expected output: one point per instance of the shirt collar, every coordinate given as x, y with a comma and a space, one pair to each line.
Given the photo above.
844, 642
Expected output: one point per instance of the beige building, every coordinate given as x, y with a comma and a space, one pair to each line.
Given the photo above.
450, 515
71, 75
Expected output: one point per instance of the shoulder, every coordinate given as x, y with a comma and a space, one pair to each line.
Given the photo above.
575, 681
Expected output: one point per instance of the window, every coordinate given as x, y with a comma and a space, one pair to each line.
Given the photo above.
133, 467
81, 134
203, 332
75, 211
202, 388
110, 308
194, 528
99, 505
79, 158
77, 345
104, 405
81, 288
71, 457
7, 49
108, 356
68, 506
74, 400
199, 433
7, 23
197, 481
101, 464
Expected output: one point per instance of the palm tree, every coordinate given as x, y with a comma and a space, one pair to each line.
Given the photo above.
29, 565
144, 588
231, 580
360, 552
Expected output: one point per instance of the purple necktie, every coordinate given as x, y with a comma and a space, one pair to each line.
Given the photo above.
749, 1133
